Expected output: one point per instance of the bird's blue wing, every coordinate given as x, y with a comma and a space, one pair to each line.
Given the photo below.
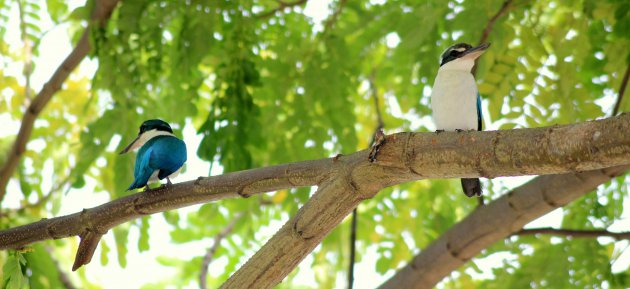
168, 155
479, 114
164, 153
142, 171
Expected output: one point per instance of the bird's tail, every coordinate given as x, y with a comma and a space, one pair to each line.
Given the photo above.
472, 187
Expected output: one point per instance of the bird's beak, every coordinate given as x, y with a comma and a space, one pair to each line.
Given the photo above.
132, 146
475, 52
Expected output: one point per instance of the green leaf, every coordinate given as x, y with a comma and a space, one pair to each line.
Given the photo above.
14, 271
121, 234
57, 9
79, 182
104, 252
43, 271
143, 240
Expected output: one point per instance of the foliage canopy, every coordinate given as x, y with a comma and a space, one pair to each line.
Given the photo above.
265, 84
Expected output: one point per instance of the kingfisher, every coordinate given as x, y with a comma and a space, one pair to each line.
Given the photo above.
455, 100
161, 154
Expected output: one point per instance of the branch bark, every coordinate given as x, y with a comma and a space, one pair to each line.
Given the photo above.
102, 11
346, 180
91, 224
575, 233
402, 159
494, 222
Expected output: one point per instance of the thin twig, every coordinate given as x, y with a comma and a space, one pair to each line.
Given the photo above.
490, 25
488, 29
353, 241
212, 250
63, 276
378, 136
575, 233
377, 106
47, 197
332, 20
622, 89
100, 14
41, 201
282, 5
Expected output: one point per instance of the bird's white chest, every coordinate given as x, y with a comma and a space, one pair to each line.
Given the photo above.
154, 176
454, 100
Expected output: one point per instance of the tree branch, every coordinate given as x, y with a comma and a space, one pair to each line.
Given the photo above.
346, 180
282, 5
63, 276
102, 11
96, 221
330, 22
414, 157
490, 25
203, 275
494, 222
622, 89
488, 29
353, 241
377, 106
575, 233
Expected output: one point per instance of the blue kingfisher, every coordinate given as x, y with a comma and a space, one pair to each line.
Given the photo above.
161, 154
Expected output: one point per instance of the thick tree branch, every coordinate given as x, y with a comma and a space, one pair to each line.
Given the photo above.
203, 275
622, 90
94, 222
575, 233
494, 222
406, 157
102, 11
346, 180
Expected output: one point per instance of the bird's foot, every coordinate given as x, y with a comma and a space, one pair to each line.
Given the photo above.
168, 183
379, 140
